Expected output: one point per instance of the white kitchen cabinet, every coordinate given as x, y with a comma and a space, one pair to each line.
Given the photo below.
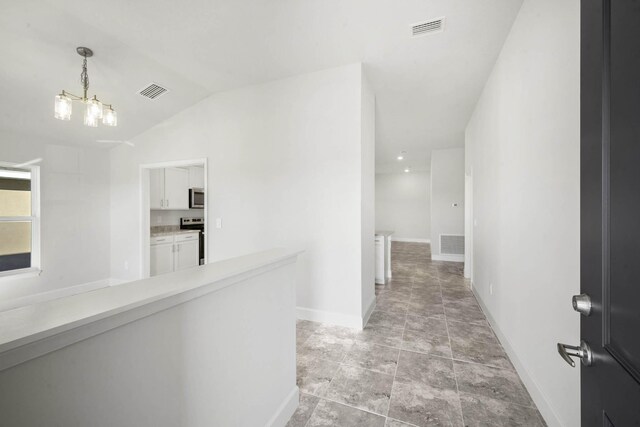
156, 188
176, 188
187, 255
161, 256
383, 256
171, 252
380, 255
196, 177
169, 188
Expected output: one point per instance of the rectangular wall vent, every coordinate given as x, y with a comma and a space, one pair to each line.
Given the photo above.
451, 244
153, 91
431, 26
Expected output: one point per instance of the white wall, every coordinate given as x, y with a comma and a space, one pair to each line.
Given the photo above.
367, 206
523, 148
285, 162
403, 204
74, 214
447, 189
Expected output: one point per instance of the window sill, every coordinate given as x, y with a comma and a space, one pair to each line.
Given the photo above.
19, 274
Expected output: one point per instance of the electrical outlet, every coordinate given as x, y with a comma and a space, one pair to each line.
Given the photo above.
126, 265
491, 289
218, 222
159, 219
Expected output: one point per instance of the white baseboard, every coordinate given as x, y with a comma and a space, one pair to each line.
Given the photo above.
367, 313
285, 410
54, 294
450, 258
330, 317
537, 395
410, 240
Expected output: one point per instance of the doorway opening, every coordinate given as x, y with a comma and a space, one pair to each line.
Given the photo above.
174, 199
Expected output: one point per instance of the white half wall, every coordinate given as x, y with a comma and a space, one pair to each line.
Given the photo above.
74, 200
447, 198
523, 148
403, 204
213, 346
287, 167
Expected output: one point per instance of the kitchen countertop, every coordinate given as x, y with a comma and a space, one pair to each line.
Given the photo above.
171, 233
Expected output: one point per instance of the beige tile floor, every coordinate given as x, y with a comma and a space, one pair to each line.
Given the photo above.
427, 357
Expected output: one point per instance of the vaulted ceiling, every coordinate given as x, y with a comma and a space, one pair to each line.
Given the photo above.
426, 87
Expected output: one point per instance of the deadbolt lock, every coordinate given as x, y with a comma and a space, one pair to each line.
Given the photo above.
582, 304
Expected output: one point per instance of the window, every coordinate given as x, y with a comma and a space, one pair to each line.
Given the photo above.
19, 220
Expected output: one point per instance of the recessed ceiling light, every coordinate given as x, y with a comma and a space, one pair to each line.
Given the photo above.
407, 170
400, 157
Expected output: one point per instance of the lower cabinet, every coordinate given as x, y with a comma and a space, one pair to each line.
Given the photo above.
380, 255
187, 254
173, 253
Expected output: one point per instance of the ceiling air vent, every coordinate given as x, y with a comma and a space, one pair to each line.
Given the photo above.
153, 91
427, 27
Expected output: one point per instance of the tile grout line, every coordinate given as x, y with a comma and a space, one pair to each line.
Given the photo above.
393, 383
328, 399
453, 365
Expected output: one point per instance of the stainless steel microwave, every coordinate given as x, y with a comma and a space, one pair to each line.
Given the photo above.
196, 198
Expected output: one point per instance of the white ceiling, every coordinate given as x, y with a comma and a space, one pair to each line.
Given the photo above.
425, 87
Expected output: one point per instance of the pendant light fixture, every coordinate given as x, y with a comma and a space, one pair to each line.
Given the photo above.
94, 109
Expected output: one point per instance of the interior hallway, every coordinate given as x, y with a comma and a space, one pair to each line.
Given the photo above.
427, 357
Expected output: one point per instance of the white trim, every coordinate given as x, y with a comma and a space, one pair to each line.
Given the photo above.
410, 240
35, 268
545, 408
330, 317
370, 308
286, 409
53, 294
450, 258
20, 273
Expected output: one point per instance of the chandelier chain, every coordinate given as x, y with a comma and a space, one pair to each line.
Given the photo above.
84, 77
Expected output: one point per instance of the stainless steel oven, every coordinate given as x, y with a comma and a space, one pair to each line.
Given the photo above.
196, 198
195, 224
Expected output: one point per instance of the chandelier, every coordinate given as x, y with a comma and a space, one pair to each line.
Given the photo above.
95, 110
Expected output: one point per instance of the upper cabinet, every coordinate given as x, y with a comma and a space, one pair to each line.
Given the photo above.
169, 188
156, 188
196, 177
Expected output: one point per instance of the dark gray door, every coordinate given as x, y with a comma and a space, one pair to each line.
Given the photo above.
610, 211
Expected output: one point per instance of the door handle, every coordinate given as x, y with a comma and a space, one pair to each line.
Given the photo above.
161, 203
582, 352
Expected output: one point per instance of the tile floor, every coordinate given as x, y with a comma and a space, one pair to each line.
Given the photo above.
427, 357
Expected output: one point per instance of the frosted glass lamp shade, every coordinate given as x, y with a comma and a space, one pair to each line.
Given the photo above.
62, 108
109, 117
90, 119
96, 107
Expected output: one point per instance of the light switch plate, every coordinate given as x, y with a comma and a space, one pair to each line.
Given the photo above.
218, 222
